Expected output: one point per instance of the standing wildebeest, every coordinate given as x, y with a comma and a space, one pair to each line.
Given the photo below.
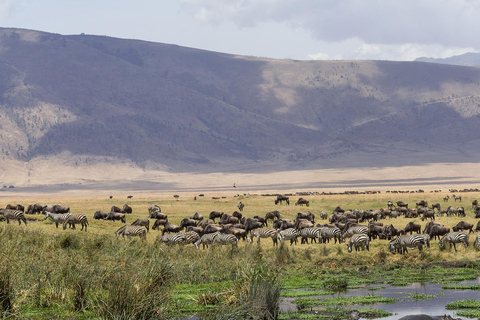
157, 215
197, 216
240, 206
170, 227
436, 205
272, 215
474, 203
100, 215
116, 216
158, 223
402, 204
35, 208
142, 222
390, 205
438, 231
301, 202
457, 198
215, 214
18, 207
127, 208
421, 204
445, 199
188, 223
116, 209
60, 209
153, 208
237, 214
462, 225
281, 198
411, 227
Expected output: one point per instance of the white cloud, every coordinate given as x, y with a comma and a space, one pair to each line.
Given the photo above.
426, 22
6, 7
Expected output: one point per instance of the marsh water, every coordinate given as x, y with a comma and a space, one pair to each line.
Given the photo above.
405, 305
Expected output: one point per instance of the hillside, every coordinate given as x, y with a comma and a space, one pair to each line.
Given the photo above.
469, 59
87, 101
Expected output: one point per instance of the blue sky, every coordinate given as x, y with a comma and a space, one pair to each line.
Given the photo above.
284, 29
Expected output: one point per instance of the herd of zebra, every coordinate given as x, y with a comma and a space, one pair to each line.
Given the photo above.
230, 229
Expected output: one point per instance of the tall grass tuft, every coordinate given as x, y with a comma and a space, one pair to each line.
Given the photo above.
6, 291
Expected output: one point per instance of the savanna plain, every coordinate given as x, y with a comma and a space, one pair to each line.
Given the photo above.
51, 273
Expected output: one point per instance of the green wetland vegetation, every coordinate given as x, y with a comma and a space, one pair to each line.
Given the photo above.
50, 273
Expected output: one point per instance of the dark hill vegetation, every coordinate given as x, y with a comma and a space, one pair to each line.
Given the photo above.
190, 109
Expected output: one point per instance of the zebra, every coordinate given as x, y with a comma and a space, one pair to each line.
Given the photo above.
264, 233
13, 215
132, 231
401, 243
359, 240
142, 222
476, 243
328, 233
56, 217
223, 239
191, 237
354, 230
74, 219
206, 239
313, 233
173, 238
452, 238
288, 234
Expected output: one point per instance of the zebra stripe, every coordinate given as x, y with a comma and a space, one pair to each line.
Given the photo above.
288, 234
56, 217
359, 241
329, 233
142, 222
401, 243
73, 219
13, 215
132, 231
476, 243
206, 239
264, 233
191, 237
454, 237
173, 238
354, 230
313, 234
224, 239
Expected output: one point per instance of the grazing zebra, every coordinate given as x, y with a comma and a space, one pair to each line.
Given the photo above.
57, 217
73, 219
452, 238
223, 239
173, 238
288, 234
132, 231
13, 215
328, 233
142, 222
206, 239
401, 243
354, 230
264, 233
313, 234
359, 241
476, 243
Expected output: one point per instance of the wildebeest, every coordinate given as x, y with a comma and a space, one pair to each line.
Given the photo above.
127, 209
272, 215
390, 205
281, 198
438, 231
187, 223
421, 204
411, 227
402, 204
116, 209
18, 207
60, 209
158, 223
115, 216
226, 219
157, 215
36, 208
302, 201
170, 227
309, 216
436, 205
197, 216
100, 215
240, 206
153, 208
215, 214
462, 225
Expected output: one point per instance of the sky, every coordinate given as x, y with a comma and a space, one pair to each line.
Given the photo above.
400, 30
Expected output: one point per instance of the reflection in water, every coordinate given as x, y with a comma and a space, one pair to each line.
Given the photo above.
405, 305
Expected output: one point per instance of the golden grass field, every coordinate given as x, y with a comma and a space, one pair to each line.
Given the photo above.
255, 204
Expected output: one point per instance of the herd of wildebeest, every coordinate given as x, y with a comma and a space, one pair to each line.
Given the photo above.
360, 226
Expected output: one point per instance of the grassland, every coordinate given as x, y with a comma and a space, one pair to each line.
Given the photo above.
54, 273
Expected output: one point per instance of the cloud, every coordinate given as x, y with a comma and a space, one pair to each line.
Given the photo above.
6, 7
450, 23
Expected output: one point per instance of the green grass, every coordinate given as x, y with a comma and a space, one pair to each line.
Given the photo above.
460, 287
304, 303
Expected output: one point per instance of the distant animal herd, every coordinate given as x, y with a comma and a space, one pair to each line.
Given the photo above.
360, 226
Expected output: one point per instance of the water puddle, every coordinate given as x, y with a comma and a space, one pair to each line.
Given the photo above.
405, 305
